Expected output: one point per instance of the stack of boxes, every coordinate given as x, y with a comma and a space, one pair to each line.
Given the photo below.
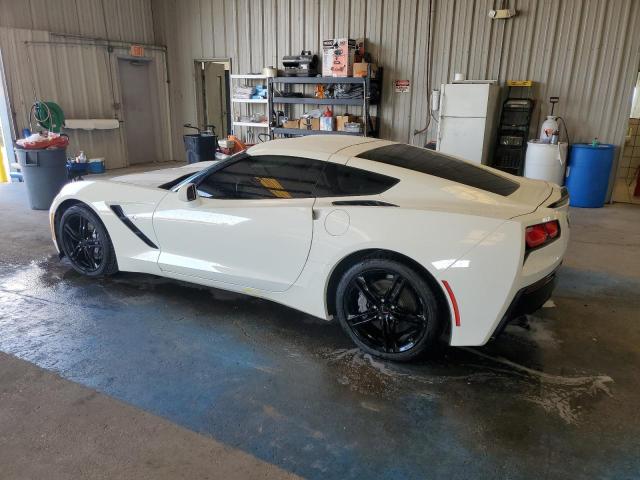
335, 123
344, 57
341, 57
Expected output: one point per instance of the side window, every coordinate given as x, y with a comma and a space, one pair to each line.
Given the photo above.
342, 181
260, 177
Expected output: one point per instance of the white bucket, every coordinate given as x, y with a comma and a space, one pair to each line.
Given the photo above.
545, 161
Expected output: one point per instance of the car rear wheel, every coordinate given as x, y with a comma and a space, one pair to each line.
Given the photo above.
85, 242
388, 309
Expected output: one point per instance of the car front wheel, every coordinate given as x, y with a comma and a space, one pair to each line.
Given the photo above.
388, 309
85, 242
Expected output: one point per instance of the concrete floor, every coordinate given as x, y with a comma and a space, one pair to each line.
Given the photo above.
140, 377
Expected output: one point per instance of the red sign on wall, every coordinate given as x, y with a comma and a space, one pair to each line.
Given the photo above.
136, 51
402, 86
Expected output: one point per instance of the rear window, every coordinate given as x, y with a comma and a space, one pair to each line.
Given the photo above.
442, 166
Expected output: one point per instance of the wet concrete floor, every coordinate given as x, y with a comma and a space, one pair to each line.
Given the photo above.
556, 398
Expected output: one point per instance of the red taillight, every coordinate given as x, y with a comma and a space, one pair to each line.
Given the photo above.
552, 229
538, 235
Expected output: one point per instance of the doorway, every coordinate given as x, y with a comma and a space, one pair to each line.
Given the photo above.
628, 172
137, 101
7, 155
212, 94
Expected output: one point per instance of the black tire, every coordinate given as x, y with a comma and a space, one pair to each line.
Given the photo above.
388, 309
84, 240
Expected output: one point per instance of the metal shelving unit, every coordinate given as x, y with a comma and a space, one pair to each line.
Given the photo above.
318, 101
513, 130
299, 131
366, 100
252, 124
249, 102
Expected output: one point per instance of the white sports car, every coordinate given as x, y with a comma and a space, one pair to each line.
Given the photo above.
400, 243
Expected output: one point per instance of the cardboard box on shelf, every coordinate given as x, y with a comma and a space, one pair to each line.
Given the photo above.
338, 57
291, 124
310, 123
360, 69
353, 127
342, 119
327, 57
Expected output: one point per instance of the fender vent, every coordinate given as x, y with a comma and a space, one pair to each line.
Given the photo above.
117, 209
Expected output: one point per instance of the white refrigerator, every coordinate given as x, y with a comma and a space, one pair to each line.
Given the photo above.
468, 120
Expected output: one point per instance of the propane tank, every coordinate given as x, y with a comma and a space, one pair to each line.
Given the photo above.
549, 130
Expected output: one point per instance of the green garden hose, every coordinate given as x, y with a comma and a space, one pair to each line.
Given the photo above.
49, 115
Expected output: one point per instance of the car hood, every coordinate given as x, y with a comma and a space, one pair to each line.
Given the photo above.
156, 178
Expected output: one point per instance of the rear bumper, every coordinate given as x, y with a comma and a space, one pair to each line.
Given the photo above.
528, 300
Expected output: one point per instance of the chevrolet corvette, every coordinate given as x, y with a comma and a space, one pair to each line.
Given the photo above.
401, 244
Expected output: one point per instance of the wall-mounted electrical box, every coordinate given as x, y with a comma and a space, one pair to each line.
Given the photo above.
502, 14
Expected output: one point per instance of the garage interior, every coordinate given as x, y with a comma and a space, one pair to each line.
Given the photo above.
137, 376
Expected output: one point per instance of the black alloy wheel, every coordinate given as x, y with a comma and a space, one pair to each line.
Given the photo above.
387, 309
85, 242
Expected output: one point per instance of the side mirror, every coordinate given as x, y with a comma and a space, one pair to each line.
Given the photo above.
187, 192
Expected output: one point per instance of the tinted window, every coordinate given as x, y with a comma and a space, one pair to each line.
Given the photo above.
268, 176
442, 166
340, 181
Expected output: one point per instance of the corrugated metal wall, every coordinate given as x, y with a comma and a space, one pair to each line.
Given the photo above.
79, 73
123, 20
584, 51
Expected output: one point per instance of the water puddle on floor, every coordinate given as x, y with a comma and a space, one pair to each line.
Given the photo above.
559, 395
41, 289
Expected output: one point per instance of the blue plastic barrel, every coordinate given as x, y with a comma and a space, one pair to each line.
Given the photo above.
588, 174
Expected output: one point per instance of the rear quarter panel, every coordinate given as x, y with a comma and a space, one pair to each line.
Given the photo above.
496, 269
436, 240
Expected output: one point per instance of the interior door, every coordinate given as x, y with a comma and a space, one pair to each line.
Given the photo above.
215, 92
135, 88
251, 225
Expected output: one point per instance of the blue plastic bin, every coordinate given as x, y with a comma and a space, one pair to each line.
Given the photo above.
588, 174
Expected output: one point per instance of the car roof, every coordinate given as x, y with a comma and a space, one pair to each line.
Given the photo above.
321, 144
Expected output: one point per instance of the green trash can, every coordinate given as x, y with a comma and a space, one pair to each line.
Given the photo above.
44, 173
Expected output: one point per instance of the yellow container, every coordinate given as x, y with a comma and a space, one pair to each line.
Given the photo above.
520, 83
4, 175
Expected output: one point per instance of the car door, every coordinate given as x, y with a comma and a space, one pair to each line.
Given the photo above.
251, 224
